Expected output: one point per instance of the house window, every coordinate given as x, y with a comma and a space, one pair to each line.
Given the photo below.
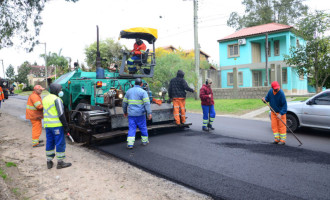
268, 50
297, 44
233, 50
284, 76
276, 48
256, 79
230, 78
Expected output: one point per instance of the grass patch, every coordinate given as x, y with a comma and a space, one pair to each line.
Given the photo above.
300, 98
10, 164
27, 93
227, 106
2, 174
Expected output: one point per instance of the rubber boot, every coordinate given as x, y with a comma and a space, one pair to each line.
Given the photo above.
50, 164
62, 164
205, 129
210, 127
38, 145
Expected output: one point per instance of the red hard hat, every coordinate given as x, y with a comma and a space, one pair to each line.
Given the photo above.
275, 85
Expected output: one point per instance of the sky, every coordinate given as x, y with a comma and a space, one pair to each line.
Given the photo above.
71, 27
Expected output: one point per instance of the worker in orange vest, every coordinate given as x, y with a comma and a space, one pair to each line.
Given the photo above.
34, 112
2, 96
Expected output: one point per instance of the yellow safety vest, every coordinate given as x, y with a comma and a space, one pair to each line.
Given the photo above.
51, 118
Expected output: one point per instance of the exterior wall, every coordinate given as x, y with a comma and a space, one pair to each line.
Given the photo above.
241, 93
247, 78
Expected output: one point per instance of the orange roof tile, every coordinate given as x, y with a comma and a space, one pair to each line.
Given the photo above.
256, 30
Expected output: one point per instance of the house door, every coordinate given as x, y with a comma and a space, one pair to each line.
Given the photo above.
256, 79
256, 53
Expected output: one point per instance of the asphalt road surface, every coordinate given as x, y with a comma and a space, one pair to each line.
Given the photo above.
236, 161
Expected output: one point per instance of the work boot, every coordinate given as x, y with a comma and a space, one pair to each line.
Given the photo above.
62, 164
275, 142
281, 143
210, 127
205, 129
41, 141
129, 146
38, 145
145, 143
50, 164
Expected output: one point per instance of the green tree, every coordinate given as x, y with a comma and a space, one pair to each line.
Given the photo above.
59, 62
313, 59
23, 71
10, 73
110, 51
16, 19
259, 12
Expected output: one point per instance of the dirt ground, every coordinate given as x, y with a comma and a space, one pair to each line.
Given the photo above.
93, 175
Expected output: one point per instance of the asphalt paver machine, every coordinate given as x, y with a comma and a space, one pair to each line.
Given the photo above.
93, 100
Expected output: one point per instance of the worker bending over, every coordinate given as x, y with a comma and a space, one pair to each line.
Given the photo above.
277, 101
56, 126
135, 104
34, 112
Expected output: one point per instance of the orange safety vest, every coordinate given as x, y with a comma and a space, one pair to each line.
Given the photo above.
34, 108
2, 95
138, 48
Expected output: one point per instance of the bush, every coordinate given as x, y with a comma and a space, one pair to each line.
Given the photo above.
28, 88
20, 86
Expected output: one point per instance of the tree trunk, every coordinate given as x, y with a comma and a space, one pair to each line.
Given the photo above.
318, 89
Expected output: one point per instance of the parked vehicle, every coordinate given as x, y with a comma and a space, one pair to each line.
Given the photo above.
313, 112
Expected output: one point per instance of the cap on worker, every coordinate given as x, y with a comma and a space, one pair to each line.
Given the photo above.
275, 85
38, 87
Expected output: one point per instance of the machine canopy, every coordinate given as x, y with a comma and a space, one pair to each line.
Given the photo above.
148, 34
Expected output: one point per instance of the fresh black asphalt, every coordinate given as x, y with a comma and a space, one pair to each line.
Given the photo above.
230, 168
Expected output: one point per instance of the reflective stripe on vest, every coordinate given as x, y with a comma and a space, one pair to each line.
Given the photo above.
51, 118
30, 107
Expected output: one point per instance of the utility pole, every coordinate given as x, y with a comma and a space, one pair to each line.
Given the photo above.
45, 62
266, 45
197, 52
3, 68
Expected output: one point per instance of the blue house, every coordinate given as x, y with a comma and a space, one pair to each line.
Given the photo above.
246, 50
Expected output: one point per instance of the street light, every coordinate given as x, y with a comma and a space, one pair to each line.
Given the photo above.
45, 62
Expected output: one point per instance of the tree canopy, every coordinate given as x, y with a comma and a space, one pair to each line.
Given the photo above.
110, 51
23, 71
10, 72
259, 12
21, 18
313, 59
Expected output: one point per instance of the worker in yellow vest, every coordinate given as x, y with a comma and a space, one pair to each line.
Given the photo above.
56, 126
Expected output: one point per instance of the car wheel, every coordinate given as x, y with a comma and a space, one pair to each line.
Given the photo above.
292, 122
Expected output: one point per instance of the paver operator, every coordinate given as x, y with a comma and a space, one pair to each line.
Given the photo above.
139, 48
177, 92
206, 96
34, 112
55, 125
135, 105
277, 101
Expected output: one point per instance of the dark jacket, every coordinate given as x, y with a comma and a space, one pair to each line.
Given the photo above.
178, 86
204, 93
277, 101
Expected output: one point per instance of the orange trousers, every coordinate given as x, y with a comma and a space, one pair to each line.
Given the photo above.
36, 131
279, 129
179, 105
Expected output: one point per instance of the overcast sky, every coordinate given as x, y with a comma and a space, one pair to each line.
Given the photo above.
72, 26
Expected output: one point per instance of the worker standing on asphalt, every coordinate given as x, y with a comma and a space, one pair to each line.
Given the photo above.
135, 104
2, 96
34, 112
177, 92
206, 96
56, 126
277, 101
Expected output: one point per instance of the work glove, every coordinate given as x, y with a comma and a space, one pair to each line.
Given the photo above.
66, 129
132, 53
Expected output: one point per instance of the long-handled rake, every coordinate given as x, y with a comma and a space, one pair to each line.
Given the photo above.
283, 122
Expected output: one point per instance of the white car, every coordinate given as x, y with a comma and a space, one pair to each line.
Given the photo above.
313, 112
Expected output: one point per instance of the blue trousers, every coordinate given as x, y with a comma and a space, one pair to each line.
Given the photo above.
206, 111
55, 138
130, 63
133, 123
